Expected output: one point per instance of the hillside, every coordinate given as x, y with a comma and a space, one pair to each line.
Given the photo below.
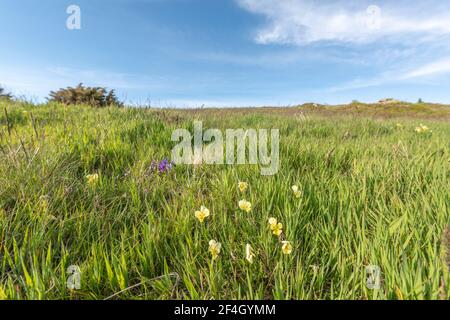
84, 187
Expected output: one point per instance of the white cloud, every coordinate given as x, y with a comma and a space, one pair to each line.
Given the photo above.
424, 72
306, 21
432, 69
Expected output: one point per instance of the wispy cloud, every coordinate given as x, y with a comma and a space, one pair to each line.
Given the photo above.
432, 69
306, 21
400, 42
424, 72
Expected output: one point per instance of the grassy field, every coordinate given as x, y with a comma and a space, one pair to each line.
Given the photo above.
373, 192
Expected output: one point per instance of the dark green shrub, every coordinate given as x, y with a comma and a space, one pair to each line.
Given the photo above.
4, 95
94, 96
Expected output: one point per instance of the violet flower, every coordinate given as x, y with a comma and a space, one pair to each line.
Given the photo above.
163, 167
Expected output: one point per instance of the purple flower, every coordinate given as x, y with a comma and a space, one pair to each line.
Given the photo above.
162, 167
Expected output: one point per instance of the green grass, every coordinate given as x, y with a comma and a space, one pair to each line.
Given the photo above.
373, 194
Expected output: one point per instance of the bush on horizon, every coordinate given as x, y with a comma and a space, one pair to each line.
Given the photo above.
94, 96
5, 95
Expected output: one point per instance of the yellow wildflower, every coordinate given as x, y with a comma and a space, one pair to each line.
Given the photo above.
286, 247
246, 206
202, 214
249, 255
92, 179
214, 248
276, 227
243, 186
297, 192
422, 129
272, 221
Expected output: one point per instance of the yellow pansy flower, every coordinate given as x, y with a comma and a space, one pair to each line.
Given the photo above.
249, 255
246, 206
243, 186
297, 192
92, 179
272, 221
214, 248
202, 214
422, 129
276, 227
286, 247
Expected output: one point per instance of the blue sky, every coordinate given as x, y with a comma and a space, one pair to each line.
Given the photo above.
230, 52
